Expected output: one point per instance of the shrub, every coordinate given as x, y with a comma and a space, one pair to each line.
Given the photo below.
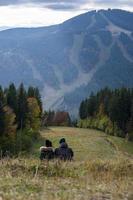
25, 140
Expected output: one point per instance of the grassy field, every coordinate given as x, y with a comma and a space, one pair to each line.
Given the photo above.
102, 169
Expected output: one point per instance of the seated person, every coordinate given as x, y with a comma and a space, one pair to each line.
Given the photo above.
64, 152
47, 152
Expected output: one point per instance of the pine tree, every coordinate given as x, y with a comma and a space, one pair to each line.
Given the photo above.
2, 98
2, 114
115, 105
83, 109
22, 107
11, 97
91, 105
2, 119
31, 92
124, 109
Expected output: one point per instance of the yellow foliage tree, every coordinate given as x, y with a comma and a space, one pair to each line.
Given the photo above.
101, 110
33, 114
10, 126
8, 136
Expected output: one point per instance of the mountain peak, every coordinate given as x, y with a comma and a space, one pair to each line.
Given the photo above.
68, 61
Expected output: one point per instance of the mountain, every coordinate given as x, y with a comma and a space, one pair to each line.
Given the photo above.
3, 28
69, 60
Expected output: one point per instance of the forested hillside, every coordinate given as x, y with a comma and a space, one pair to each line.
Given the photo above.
20, 118
110, 111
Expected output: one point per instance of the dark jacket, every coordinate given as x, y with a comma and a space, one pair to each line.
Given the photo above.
64, 152
46, 153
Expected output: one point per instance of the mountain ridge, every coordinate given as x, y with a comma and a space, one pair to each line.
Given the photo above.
69, 60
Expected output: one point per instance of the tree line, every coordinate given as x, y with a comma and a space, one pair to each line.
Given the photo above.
110, 111
20, 118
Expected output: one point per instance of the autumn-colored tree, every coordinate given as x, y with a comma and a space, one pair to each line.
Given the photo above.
20, 110
9, 118
34, 92
7, 138
115, 106
101, 111
33, 113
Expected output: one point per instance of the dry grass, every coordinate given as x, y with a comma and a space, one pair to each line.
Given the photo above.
99, 172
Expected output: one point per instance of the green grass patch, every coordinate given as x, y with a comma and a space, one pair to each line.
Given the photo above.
102, 169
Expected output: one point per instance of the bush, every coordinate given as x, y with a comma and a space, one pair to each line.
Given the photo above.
102, 123
130, 136
7, 144
26, 139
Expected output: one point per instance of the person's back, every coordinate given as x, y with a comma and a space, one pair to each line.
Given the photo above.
64, 152
47, 151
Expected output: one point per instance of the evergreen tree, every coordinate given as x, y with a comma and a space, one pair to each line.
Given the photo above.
2, 114
2, 98
2, 119
83, 109
130, 125
91, 105
11, 97
31, 92
113, 107
18, 111
122, 108
22, 107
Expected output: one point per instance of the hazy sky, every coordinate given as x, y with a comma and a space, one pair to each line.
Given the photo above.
15, 13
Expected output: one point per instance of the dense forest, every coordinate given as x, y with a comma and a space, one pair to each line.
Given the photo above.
20, 118
110, 111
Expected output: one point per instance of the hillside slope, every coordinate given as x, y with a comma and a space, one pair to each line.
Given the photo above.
69, 60
102, 169
89, 144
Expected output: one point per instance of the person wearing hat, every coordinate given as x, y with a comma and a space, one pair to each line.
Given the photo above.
47, 152
64, 152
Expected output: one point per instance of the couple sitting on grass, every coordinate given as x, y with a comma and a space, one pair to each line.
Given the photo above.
63, 152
